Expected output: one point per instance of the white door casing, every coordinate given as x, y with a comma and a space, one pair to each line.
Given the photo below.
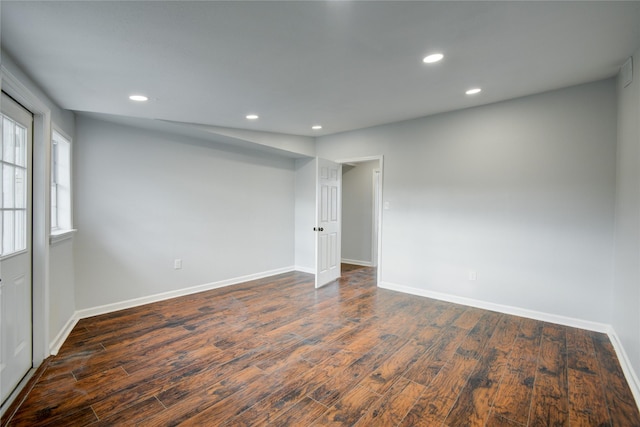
328, 221
15, 251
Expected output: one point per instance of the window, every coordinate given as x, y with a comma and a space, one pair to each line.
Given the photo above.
60, 184
13, 204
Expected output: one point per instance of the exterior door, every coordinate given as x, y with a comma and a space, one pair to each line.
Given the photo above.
328, 221
16, 126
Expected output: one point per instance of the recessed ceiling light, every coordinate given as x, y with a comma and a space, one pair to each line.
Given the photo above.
316, 127
473, 91
434, 57
252, 116
139, 98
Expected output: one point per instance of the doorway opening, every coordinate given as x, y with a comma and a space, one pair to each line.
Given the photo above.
362, 211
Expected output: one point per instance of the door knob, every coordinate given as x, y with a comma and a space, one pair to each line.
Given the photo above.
318, 229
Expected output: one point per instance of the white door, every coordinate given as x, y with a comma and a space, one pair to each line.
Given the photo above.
15, 245
328, 221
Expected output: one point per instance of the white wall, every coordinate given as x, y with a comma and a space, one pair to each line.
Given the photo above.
305, 215
144, 199
626, 291
357, 211
62, 279
522, 192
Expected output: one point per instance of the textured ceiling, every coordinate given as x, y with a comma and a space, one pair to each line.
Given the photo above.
345, 65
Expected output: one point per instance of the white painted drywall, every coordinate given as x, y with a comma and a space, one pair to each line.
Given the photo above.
144, 199
357, 211
626, 290
521, 192
62, 281
305, 215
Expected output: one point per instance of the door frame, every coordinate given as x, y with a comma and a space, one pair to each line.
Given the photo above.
40, 219
380, 159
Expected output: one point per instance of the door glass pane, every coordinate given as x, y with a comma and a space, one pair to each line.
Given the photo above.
8, 147
8, 179
21, 230
8, 246
20, 189
21, 146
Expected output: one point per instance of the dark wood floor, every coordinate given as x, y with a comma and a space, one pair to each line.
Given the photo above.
278, 352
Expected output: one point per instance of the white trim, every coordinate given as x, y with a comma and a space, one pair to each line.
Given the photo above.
41, 204
309, 270
356, 262
625, 364
380, 159
58, 130
108, 308
359, 159
62, 336
61, 235
507, 309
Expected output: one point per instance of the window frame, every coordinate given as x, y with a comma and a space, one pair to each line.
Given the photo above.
57, 232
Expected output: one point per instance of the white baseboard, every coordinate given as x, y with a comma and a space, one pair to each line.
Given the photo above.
305, 269
507, 309
109, 308
57, 342
357, 262
625, 364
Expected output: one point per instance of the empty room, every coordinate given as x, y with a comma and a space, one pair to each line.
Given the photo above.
297, 213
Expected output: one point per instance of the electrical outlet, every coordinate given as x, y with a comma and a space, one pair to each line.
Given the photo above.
472, 275
177, 264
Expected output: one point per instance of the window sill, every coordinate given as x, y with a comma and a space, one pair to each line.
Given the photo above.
61, 235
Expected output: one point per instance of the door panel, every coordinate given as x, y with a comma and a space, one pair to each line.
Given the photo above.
15, 245
328, 223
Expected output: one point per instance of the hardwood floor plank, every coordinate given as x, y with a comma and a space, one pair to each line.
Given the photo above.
388, 372
303, 413
296, 379
425, 369
434, 404
394, 405
550, 401
620, 401
349, 408
476, 399
468, 319
197, 403
585, 382
587, 403
132, 414
259, 352
141, 385
212, 375
329, 392
496, 420
513, 401
55, 403
580, 351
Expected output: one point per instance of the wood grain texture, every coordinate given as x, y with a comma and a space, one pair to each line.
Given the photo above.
277, 351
